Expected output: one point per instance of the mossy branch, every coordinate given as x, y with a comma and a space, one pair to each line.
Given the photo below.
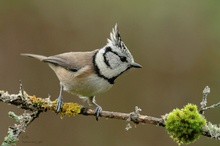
34, 106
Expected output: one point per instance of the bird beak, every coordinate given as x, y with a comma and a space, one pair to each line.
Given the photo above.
136, 65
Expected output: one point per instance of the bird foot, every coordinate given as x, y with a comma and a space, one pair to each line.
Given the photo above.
59, 104
98, 111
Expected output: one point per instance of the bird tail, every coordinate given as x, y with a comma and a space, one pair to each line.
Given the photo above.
39, 57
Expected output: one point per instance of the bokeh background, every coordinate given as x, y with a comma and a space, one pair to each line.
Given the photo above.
176, 42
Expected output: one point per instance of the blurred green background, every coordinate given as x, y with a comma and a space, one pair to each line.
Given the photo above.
176, 42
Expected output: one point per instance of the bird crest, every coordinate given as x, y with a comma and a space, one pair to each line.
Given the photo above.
116, 42
115, 38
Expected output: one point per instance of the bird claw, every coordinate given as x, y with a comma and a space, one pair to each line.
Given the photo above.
59, 104
98, 111
59, 100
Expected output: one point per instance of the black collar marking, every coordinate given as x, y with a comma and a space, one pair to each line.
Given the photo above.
97, 70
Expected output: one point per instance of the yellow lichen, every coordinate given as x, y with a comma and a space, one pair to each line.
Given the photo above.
70, 109
41, 103
34, 98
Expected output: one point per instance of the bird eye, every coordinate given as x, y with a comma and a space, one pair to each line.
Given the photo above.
123, 59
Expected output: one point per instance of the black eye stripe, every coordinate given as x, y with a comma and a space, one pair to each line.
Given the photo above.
123, 59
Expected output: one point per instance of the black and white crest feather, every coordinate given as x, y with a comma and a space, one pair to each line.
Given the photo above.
115, 38
116, 41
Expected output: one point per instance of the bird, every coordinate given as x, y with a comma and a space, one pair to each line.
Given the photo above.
89, 73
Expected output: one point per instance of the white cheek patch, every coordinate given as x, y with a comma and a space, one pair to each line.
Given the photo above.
112, 60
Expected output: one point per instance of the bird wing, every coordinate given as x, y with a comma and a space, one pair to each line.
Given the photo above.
72, 61
61, 62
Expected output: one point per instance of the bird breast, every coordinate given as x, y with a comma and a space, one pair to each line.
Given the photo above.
84, 82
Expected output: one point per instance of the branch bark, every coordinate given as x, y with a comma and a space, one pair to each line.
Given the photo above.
36, 106
136, 118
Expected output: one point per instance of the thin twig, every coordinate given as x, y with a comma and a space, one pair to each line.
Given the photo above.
203, 104
212, 106
124, 116
21, 91
23, 121
210, 130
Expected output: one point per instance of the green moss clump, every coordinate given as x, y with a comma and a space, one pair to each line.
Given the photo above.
185, 125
